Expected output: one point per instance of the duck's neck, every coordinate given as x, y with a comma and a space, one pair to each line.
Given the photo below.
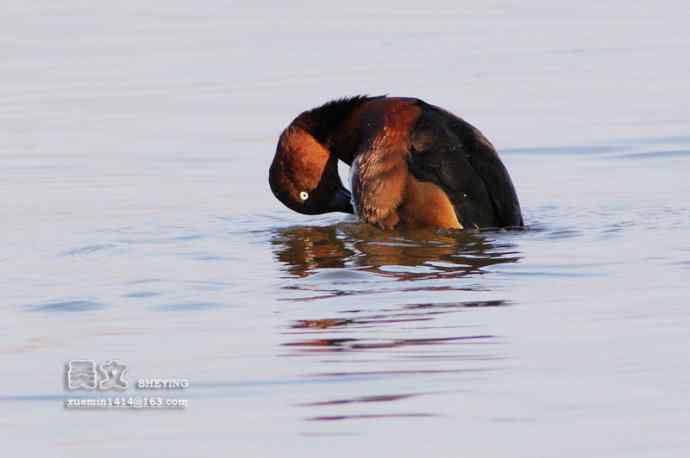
325, 124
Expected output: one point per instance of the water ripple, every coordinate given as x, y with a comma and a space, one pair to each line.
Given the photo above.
88, 249
67, 306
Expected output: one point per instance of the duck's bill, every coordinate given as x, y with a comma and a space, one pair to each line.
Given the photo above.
341, 201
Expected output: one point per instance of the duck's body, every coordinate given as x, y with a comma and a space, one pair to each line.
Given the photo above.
412, 163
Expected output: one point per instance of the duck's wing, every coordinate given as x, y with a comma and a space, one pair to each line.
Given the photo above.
453, 154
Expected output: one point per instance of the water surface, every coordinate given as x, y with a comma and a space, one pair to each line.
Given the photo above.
138, 226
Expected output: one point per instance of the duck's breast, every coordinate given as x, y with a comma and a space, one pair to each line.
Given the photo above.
379, 172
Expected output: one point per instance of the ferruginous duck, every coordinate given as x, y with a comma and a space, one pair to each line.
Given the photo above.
413, 164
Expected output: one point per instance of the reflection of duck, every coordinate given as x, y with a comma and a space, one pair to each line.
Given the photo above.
304, 249
412, 163
433, 253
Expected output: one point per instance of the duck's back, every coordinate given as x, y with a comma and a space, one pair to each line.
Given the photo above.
457, 157
419, 164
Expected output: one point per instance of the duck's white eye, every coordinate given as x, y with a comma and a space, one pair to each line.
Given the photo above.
304, 195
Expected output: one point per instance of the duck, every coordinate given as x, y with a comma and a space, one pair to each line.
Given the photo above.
412, 164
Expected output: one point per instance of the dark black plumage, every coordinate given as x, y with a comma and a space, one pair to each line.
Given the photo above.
456, 156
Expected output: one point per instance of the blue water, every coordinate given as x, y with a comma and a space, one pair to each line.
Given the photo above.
138, 226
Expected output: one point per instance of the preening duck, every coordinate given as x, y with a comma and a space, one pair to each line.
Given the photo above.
412, 163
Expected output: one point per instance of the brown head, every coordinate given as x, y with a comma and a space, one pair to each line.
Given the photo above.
304, 175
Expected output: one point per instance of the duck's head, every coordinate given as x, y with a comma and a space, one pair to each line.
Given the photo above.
304, 175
